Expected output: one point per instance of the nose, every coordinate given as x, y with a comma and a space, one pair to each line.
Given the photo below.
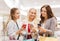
42, 12
18, 14
33, 14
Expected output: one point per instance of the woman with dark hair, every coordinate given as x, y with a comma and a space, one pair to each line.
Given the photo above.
48, 21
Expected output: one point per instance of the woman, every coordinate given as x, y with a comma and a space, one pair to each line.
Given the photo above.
48, 21
13, 25
31, 19
32, 16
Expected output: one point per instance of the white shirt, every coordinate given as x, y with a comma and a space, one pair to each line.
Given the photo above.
12, 27
27, 22
43, 25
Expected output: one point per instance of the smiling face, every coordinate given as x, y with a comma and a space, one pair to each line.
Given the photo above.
32, 13
16, 15
44, 12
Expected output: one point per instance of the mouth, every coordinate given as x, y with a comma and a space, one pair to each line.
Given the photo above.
32, 16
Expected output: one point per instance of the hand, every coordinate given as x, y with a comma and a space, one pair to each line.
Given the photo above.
34, 30
19, 32
42, 30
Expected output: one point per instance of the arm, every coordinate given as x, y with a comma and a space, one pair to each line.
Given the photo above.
51, 24
11, 30
51, 29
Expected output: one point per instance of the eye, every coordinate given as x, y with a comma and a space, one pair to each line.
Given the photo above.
45, 11
17, 13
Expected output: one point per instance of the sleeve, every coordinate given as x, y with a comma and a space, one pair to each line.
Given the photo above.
10, 28
53, 24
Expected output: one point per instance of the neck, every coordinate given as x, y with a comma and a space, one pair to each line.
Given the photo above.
46, 18
30, 19
14, 20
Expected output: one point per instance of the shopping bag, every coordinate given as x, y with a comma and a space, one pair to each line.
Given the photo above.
29, 40
48, 39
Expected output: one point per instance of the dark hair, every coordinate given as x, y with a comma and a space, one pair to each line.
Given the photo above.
12, 12
49, 13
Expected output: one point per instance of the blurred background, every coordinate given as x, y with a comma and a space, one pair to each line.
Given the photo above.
24, 6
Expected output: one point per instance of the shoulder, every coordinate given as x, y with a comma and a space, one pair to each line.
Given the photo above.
10, 22
52, 19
